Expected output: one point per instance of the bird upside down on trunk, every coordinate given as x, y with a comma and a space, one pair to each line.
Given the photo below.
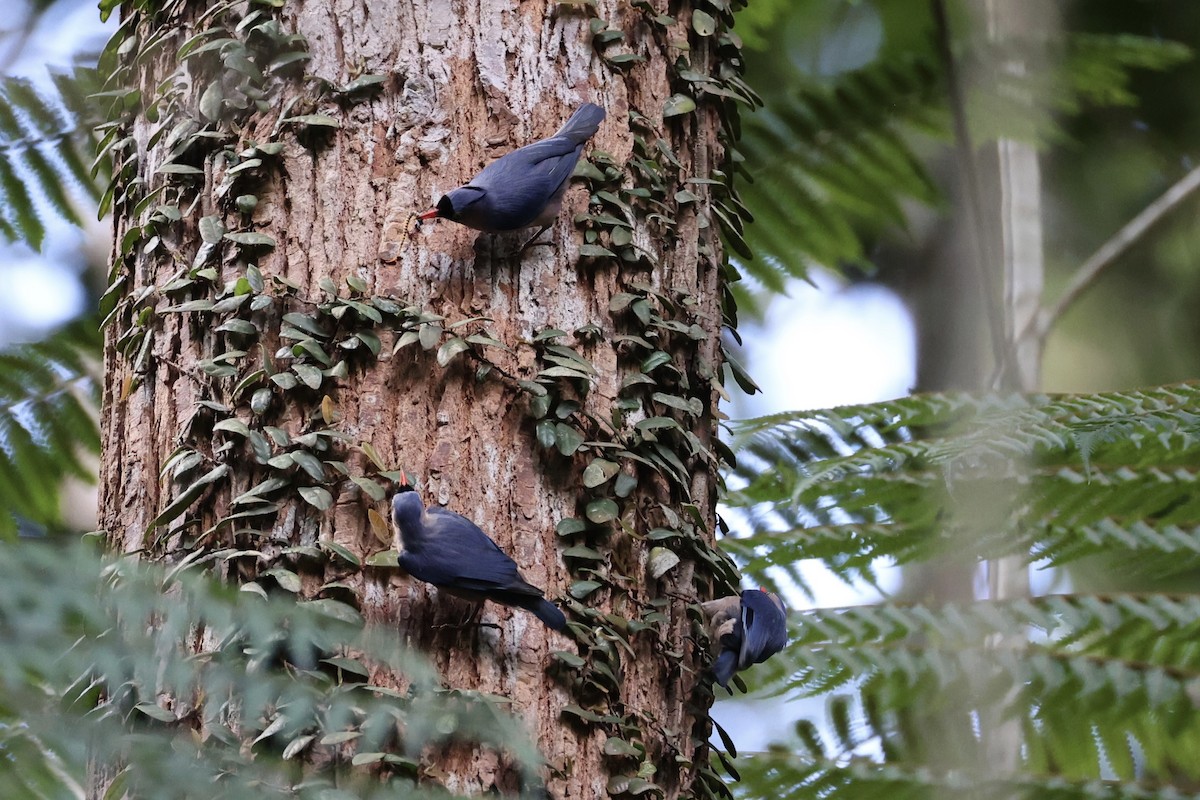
748, 628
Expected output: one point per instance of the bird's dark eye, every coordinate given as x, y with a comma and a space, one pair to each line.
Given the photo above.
446, 208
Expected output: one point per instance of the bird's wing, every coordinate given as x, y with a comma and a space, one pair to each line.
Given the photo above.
537, 158
531, 175
545, 165
764, 628
468, 555
558, 162
495, 579
446, 526
724, 666
556, 169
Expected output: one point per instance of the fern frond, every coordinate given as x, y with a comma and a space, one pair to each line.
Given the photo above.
833, 162
830, 161
1083, 623
43, 138
91, 647
1098, 69
48, 396
1100, 675
783, 774
1024, 422
1100, 685
1080, 474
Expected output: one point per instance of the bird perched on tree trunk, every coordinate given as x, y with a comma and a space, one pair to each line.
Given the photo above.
749, 628
525, 187
451, 552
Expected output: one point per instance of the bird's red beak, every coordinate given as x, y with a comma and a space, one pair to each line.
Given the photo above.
430, 214
404, 478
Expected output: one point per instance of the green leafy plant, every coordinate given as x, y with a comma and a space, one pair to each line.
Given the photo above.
1098, 685
92, 646
835, 157
48, 388
45, 141
48, 393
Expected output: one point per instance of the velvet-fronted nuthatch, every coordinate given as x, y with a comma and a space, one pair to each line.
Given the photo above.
451, 552
749, 628
525, 187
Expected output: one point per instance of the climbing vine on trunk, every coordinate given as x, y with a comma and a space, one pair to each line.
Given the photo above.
281, 343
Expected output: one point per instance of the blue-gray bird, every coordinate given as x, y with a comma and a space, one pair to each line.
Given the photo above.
749, 628
451, 552
525, 187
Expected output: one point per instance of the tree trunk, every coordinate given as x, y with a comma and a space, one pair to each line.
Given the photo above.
1014, 223
998, 242
280, 394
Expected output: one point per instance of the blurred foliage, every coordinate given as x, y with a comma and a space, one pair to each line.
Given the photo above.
45, 145
49, 391
98, 664
1116, 131
855, 113
1091, 694
1102, 687
1073, 475
1139, 324
48, 388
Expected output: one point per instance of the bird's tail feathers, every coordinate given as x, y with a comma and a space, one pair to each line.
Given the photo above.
548, 613
724, 667
583, 124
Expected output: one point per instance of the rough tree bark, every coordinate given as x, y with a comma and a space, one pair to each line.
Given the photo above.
463, 83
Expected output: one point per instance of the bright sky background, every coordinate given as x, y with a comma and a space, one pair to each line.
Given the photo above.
67, 29
40, 291
831, 344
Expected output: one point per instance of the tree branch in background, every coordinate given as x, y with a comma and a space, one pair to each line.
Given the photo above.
1115, 247
16, 47
966, 160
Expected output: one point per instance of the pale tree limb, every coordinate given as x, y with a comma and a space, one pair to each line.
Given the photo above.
1022, 255
968, 168
1109, 252
1017, 222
